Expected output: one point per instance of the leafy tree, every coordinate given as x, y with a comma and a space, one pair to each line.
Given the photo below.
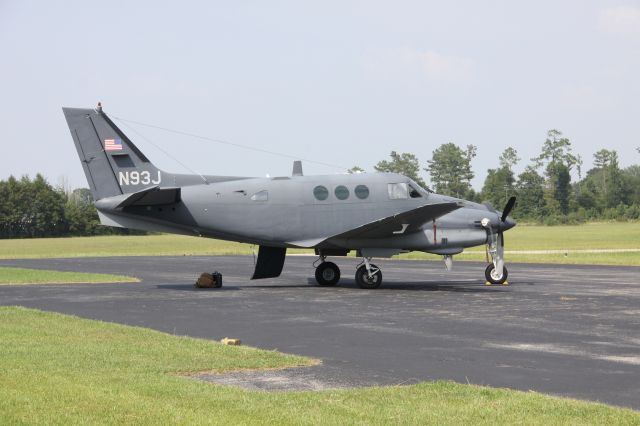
404, 163
450, 170
499, 183
355, 169
498, 186
556, 154
530, 189
509, 158
612, 191
631, 176
558, 188
31, 208
81, 214
556, 149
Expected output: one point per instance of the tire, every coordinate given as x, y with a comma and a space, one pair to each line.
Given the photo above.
363, 280
327, 274
488, 274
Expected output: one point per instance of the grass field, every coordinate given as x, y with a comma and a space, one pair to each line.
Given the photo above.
66, 370
10, 276
570, 240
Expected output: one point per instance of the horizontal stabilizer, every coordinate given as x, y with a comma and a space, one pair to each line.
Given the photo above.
153, 196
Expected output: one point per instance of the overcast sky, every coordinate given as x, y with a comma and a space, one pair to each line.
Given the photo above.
341, 82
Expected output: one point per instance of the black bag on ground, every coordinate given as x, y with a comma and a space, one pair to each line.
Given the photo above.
209, 280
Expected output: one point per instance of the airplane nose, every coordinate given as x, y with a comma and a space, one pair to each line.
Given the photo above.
508, 224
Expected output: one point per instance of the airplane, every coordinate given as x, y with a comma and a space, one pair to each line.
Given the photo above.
378, 215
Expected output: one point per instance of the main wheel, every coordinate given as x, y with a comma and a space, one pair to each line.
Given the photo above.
327, 274
491, 274
364, 281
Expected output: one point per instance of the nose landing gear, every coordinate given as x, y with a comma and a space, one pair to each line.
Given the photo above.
496, 272
494, 277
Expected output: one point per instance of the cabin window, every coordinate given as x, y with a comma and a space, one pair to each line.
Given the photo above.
342, 193
362, 192
260, 196
398, 191
320, 192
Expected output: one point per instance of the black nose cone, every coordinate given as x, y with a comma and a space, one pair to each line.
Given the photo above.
508, 224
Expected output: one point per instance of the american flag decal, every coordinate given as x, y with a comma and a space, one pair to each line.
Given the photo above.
113, 145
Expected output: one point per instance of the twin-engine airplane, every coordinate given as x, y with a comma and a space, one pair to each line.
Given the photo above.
376, 214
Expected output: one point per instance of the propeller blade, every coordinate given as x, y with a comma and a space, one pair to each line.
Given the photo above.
508, 208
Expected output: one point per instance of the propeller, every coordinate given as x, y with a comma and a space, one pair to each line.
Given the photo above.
507, 208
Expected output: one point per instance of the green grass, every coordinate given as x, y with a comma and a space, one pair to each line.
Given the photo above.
148, 245
10, 276
570, 239
614, 235
65, 370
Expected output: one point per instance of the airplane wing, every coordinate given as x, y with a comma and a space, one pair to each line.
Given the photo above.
400, 223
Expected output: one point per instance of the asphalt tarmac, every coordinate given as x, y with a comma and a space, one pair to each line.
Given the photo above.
565, 330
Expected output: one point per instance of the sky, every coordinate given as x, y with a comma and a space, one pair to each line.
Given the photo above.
341, 83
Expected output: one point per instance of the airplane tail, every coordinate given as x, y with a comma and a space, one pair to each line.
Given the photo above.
112, 164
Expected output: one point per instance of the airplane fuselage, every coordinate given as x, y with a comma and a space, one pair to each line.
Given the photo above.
298, 210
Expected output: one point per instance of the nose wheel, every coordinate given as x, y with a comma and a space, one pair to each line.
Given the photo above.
327, 274
493, 276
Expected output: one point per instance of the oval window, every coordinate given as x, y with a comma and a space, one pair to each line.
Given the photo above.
362, 192
342, 193
320, 192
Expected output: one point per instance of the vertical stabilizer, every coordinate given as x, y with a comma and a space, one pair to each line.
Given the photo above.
112, 164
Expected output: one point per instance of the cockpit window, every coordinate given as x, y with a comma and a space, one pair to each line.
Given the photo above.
402, 191
260, 196
398, 191
413, 192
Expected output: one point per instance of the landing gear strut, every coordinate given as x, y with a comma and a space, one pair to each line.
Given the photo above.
368, 275
327, 273
496, 272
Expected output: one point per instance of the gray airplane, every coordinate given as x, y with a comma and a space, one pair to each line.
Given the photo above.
376, 214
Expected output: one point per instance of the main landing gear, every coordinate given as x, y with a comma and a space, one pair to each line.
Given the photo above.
327, 273
368, 275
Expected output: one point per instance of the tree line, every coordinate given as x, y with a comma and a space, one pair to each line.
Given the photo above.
545, 190
33, 208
